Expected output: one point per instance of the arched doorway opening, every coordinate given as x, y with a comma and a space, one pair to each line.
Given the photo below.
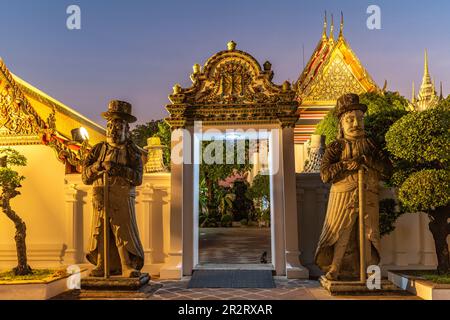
232, 91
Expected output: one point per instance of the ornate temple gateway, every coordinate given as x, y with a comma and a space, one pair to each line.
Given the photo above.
233, 88
233, 91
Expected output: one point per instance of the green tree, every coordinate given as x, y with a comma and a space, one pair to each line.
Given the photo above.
420, 144
211, 174
10, 181
142, 132
382, 111
260, 188
328, 127
154, 128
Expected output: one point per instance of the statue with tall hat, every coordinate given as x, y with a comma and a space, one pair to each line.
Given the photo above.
354, 165
114, 168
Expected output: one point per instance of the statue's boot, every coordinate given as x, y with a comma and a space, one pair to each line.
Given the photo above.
333, 273
99, 269
127, 270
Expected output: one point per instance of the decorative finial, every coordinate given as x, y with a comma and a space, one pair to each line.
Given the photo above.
425, 66
413, 95
385, 85
332, 28
341, 28
286, 86
196, 68
324, 31
441, 96
267, 66
176, 89
231, 45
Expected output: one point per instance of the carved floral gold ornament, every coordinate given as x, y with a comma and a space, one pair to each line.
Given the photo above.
233, 88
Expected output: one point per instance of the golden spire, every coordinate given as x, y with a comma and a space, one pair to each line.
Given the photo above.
324, 32
332, 29
341, 28
425, 65
413, 95
427, 87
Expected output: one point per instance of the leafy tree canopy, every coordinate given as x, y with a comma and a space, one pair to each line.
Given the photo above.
11, 158
422, 136
382, 111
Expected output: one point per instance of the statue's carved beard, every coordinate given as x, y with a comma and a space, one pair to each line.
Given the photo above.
117, 138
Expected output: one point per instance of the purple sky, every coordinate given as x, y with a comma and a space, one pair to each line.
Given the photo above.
137, 50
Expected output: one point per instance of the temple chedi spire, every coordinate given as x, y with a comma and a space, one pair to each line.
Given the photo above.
427, 97
324, 32
331, 38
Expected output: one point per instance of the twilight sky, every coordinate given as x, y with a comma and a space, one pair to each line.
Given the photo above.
137, 50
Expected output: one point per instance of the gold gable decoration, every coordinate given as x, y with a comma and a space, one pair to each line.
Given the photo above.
232, 88
21, 123
335, 80
18, 120
332, 70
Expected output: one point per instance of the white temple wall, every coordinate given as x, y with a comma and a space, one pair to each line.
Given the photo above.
41, 205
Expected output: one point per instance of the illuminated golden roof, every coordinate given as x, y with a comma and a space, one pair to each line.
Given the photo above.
28, 115
332, 71
44, 105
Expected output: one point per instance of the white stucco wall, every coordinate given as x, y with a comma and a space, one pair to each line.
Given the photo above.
40, 205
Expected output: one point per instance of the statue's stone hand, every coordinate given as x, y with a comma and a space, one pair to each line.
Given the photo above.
109, 166
114, 169
97, 167
352, 165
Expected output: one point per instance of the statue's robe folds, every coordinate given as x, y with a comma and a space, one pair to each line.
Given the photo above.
342, 211
121, 204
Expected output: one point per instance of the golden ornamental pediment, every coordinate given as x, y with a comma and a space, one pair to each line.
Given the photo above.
15, 120
232, 87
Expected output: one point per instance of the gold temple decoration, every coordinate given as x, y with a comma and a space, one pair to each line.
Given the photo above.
231, 45
233, 88
333, 70
23, 109
427, 97
155, 156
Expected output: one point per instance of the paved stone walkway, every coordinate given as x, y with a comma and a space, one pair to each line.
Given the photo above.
240, 245
177, 290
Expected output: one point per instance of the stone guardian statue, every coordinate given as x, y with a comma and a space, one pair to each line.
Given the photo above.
338, 250
118, 160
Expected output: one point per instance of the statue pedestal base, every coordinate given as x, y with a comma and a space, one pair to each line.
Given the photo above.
358, 288
115, 283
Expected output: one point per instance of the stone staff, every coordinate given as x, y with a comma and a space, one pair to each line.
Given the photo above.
362, 233
106, 223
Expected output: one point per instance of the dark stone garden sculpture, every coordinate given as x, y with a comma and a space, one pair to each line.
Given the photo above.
114, 168
354, 166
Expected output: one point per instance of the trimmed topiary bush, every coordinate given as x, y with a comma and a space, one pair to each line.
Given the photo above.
420, 144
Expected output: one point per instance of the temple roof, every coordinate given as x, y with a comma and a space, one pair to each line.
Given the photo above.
28, 116
427, 97
332, 70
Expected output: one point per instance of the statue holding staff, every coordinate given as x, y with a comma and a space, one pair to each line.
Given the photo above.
350, 162
114, 168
